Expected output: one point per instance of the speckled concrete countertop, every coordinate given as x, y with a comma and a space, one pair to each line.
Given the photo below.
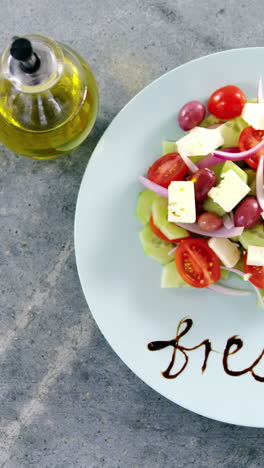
67, 401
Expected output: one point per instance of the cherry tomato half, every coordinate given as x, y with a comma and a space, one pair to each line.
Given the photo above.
197, 263
256, 272
227, 102
160, 234
167, 168
249, 138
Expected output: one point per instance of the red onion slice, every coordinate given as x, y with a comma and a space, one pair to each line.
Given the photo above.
231, 149
227, 291
222, 232
189, 163
173, 250
259, 183
212, 160
226, 155
260, 91
228, 220
154, 187
208, 161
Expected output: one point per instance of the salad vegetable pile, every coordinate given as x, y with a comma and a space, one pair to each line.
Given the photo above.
203, 203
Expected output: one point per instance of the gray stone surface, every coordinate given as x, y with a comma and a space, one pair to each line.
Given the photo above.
66, 400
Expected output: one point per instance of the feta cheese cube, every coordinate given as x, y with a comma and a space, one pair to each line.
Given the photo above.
181, 206
231, 190
255, 255
253, 114
226, 250
262, 214
200, 141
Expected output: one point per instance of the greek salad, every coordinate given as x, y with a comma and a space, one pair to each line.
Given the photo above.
202, 208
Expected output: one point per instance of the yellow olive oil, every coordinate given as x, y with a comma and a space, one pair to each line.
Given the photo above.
47, 123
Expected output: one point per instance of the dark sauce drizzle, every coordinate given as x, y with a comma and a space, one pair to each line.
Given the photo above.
177, 347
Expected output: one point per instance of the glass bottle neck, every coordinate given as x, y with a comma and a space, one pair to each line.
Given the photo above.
48, 72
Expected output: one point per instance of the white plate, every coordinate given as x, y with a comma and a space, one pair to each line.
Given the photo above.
122, 285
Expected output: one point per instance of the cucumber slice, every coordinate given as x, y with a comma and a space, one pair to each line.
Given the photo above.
221, 168
231, 131
251, 175
168, 146
154, 247
252, 236
225, 274
210, 120
251, 181
230, 165
170, 277
217, 169
144, 205
253, 188
239, 265
160, 217
211, 205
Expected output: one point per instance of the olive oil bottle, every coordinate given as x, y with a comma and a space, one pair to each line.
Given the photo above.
48, 98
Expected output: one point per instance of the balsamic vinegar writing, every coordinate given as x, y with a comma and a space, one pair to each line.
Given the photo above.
233, 345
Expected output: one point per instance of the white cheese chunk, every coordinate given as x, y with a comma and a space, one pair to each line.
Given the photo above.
181, 202
253, 114
231, 190
226, 250
262, 214
255, 255
200, 141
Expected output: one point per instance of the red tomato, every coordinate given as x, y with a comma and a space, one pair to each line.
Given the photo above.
249, 138
167, 168
227, 102
257, 273
197, 263
160, 234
